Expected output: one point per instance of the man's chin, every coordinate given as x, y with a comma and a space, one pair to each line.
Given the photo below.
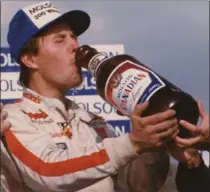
77, 83
72, 85
80, 85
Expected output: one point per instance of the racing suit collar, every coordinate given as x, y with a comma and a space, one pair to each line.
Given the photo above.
50, 102
69, 110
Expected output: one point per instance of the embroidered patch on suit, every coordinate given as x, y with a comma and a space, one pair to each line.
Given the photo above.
66, 130
40, 117
61, 145
99, 125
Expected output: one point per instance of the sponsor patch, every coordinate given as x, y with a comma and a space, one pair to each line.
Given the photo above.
35, 99
65, 130
40, 117
99, 125
61, 145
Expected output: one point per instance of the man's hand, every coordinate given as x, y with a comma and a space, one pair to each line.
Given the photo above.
152, 131
201, 132
4, 125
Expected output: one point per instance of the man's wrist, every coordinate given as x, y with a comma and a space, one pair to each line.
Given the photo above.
136, 146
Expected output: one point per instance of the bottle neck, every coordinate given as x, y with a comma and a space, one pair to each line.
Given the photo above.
95, 62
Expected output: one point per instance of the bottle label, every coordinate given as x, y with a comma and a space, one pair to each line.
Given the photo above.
95, 62
129, 84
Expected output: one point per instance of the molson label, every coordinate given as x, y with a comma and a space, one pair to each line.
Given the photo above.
129, 84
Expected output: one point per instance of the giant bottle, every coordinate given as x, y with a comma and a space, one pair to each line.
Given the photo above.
123, 81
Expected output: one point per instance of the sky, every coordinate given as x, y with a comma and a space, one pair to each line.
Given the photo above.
171, 37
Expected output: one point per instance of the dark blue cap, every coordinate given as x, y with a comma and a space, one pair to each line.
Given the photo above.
29, 21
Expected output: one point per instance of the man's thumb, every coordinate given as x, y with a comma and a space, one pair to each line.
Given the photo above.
140, 108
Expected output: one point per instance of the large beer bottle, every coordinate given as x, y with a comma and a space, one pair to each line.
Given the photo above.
123, 81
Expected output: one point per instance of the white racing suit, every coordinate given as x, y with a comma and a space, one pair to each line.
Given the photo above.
59, 149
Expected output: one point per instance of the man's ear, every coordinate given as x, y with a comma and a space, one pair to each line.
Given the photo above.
29, 61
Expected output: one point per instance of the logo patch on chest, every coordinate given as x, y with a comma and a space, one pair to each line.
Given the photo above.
61, 145
66, 130
99, 125
40, 117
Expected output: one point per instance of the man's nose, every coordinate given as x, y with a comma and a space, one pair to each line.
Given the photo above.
74, 45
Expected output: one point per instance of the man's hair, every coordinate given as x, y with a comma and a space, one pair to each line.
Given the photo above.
30, 48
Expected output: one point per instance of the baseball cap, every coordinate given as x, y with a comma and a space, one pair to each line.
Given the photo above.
31, 20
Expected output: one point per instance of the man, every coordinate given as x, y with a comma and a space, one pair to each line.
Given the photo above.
192, 174
59, 146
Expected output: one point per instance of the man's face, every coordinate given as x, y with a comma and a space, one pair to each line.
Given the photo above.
56, 57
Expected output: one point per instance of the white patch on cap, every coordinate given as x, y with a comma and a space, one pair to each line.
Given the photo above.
42, 13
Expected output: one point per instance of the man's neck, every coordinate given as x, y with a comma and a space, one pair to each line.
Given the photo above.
47, 90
